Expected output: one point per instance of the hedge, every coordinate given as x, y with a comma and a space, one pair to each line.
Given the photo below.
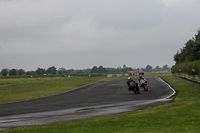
191, 68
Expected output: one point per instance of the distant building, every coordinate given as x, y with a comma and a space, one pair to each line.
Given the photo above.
136, 72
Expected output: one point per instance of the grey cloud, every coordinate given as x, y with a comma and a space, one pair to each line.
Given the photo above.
80, 34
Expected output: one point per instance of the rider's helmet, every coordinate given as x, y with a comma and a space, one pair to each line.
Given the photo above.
140, 77
129, 78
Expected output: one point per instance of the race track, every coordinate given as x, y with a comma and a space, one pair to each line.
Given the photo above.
106, 97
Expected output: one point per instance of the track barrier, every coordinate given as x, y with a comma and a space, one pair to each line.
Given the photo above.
121, 75
187, 76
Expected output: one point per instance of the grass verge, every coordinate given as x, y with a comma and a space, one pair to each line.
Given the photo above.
22, 89
181, 116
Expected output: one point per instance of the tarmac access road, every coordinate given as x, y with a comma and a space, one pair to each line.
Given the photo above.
106, 97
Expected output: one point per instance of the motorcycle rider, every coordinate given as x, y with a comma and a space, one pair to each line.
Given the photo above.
141, 78
128, 82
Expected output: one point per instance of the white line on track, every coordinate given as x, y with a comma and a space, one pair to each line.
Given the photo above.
169, 87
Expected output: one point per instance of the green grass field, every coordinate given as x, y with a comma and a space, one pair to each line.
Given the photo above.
181, 116
22, 89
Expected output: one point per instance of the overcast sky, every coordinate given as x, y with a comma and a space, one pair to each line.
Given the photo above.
81, 34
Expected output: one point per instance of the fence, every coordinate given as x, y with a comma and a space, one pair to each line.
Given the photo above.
122, 75
187, 76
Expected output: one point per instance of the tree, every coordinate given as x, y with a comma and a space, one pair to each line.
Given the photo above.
190, 52
71, 71
87, 70
126, 69
40, 71
187, 54
124, 66
21, 72
110, 70
149, 68
94, 69
51, 70
165, 68
177, 57
158, 68
4, 72
101, 69
13, 72
197, 45
62, 70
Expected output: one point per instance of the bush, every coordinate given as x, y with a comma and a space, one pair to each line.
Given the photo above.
191, 68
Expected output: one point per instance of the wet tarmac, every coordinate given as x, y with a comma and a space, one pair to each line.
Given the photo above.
106, 97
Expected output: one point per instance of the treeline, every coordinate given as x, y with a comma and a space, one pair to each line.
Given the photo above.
190, 52
188, 58
95, 70
53, 70
149, 68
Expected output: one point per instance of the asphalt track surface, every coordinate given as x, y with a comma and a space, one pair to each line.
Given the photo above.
110, 96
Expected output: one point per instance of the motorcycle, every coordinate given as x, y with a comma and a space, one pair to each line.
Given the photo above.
134, 87
143, 84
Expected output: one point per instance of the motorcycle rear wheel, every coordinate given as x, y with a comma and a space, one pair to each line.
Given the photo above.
146, 88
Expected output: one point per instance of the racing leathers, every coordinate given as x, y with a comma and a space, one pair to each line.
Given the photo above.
141, 79
129, 87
